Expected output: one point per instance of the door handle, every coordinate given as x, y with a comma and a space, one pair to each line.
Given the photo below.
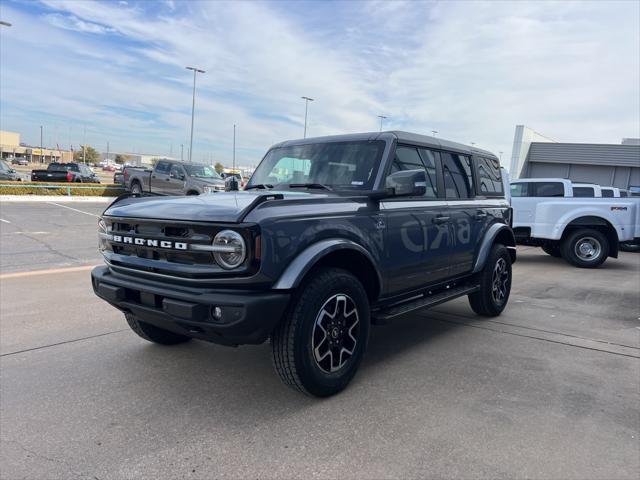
440, 219
167, 179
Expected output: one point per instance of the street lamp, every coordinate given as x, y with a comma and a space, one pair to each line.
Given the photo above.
306, 108
193, 105
41, 152
501, 156
381, 117
435, 132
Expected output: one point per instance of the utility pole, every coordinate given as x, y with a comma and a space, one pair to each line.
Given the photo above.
306, 109
381, 117
193, 105
107, 150
181, 152
41, 150
84, 146
234, 148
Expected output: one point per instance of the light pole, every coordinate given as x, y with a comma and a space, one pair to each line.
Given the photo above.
381, 117
234, 148
473, 144
182, 152
435, 132
193, 105
306, 108
41, 152
501, 156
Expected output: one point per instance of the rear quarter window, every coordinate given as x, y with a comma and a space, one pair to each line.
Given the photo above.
548, 189
583, 192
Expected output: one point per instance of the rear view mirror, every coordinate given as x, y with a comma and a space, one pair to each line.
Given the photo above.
407, 183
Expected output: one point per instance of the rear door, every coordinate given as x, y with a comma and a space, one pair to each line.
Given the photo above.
160, 177
417, 253
464, 215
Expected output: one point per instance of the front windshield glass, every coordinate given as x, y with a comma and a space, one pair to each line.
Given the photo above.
201, 171
339, 165
4, 167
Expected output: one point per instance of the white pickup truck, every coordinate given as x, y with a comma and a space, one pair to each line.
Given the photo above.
583, 231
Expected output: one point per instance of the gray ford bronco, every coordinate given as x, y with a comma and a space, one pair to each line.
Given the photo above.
330, 236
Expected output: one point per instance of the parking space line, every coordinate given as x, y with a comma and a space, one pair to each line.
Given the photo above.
4, 221
62, 343
50, 271
74, 209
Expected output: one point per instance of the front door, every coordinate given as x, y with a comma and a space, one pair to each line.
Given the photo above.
417, 230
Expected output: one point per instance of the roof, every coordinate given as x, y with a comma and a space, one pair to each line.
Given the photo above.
401, 136
585, 153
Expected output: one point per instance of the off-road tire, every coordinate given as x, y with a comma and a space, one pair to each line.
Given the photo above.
154, 334
571, 246
552, 249
484, 302
292, 341
136, 188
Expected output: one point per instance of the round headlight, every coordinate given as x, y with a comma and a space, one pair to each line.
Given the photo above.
231, 249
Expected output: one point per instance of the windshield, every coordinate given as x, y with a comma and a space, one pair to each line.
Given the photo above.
201, 171
340, 165
4, 167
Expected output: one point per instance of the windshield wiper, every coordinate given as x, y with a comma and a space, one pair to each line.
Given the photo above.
311, 185
263, 186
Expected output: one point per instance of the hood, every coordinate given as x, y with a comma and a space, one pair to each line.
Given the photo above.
208, 181
226, 207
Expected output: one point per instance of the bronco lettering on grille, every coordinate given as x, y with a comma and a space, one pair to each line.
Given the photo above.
149, 242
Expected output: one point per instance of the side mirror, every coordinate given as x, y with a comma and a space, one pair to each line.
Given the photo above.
231, 183
407, 183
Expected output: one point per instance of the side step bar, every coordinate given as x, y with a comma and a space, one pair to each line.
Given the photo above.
384, 316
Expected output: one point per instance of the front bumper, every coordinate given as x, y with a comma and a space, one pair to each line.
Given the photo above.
248, 317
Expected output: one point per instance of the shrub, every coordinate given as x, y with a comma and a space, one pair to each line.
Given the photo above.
60, 189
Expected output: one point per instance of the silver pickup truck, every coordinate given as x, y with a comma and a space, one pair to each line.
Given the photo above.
170, 177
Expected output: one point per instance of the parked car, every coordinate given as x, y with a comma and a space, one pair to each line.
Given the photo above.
170, 177
8, 173
583, 231
118, 178
65, 172
331, 235
110, 167
19, 161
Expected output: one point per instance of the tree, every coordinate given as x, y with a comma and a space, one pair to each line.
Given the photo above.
90, 154
122, 158
219, 167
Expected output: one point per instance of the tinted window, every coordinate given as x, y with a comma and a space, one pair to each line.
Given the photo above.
583, 192
520, 189
549, 189
456, 170
408, 158
607, 193
623, 193
489, 176
62, 167
163, 167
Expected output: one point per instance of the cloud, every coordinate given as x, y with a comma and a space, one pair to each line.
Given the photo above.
70, 22
471, 70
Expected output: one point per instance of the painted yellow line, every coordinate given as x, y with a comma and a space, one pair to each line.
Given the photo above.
50, 271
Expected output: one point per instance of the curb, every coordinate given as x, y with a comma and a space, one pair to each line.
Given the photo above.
54, 198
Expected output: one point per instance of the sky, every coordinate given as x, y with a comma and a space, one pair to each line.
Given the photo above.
115, 72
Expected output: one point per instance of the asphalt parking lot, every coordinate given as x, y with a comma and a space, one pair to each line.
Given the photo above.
548, 390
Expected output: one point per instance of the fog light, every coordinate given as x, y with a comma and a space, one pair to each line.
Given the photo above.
216, 313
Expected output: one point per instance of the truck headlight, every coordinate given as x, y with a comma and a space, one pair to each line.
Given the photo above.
229, 249
102, 236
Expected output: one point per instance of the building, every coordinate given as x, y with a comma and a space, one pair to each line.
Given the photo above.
11, 147
137, 159
537, 156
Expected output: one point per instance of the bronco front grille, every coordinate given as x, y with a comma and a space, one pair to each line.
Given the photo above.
169, 248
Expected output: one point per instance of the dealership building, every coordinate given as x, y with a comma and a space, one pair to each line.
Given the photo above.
537, 156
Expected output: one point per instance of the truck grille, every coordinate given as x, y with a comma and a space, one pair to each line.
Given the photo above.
170, 248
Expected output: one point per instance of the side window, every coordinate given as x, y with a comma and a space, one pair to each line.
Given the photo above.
607, 193
429, 160
456, 171
549, 189
176, 171
490, 177
163, 167
583, 192
623, 193
408, 158
520, 189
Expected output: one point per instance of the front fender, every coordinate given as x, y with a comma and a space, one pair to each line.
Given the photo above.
300, 266
487, 242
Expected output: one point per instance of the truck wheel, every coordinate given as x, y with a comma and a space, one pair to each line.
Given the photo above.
136, 189
495, 284
153, 333
318, 346
552, 249
586, 248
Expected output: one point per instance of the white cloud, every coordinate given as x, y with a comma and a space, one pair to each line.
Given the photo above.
471, 70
